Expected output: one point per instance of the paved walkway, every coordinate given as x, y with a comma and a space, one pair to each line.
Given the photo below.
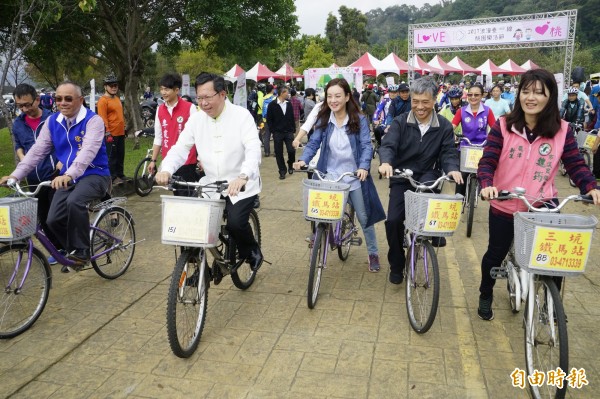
107, 339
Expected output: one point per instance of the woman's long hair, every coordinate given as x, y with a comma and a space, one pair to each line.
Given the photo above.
352, 108
548, 120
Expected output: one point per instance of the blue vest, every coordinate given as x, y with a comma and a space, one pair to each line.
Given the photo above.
68, 142
475, 127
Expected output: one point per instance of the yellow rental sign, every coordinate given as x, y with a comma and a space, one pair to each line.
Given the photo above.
442, 215
560, 250
5, 227
325, 204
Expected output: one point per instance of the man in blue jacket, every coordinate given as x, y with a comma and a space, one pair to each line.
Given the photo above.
26, 129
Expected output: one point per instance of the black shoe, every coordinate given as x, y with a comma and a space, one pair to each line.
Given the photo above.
281, 175
255, 259
256, 202
484, 311
81, 257
438, 242
290, 171
396, 278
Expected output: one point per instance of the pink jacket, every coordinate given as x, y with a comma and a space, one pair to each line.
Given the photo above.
530, 166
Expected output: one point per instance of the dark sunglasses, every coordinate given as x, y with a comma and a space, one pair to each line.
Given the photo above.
113, 85
66, 99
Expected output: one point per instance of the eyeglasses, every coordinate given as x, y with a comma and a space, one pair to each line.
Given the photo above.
206, 98
113, 85
25, 105
67, 99
473, 95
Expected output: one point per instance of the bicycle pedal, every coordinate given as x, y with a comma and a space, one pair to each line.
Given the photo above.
357, 241
498, 273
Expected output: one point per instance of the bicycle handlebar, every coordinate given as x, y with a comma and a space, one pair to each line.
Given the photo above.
322, 176
219, 185
14, 185
520, 194
407, 174
464, 138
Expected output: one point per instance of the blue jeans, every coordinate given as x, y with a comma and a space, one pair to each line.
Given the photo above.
356, 199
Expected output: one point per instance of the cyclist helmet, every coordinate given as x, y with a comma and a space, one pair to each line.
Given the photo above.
455, 92
507, 85
393, 88
110, 78
573, 90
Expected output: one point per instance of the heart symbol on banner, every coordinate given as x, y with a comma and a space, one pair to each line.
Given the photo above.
542, 29
426, 37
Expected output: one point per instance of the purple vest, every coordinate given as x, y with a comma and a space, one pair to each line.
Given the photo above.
475, 127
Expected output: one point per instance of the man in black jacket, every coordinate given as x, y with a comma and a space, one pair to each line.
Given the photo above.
280, 119
422, 141
401, 103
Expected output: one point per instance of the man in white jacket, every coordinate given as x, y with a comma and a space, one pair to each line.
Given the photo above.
228, 148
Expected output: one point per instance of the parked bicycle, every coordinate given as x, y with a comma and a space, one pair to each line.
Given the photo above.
427, 215
546, 244
470, 155
24, 271
143, 180
326, 204
199, 226
585, 141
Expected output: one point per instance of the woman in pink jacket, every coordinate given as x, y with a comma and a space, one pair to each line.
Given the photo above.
523, 150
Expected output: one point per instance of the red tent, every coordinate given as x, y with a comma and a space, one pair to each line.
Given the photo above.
529, 65
439, 63
422, 67
368, 63
463, 66
513, 67
233, 73
287, 72
261, 72
489, 68
392, 63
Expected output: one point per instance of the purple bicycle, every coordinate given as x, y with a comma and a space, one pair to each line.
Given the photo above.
25, 273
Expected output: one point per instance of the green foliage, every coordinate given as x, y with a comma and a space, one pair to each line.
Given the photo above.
349, 29
315, 57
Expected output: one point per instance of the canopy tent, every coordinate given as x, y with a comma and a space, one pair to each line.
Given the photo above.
439, 63
233, 73
422, 67
261, 72
334, 65
287, 72
529, 65
463, 66
368, 63
513, 67
392, 63
489, 68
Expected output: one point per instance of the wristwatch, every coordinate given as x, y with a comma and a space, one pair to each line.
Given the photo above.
243, 176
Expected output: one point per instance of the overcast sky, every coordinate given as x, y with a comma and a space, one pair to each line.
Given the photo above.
312, 14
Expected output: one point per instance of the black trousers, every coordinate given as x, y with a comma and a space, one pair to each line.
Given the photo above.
238, 225
278, 140
68, 218
44, 198
187, 173
266, 139
116, 156
596, 162
394, 224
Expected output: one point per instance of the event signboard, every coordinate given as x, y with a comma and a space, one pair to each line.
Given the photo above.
317, 78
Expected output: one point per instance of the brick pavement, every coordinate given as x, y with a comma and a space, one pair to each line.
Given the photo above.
107, 339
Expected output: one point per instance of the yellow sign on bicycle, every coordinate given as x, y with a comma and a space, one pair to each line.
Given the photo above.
5, 227
589, 141
442, 215
325, 204
473, 157
560, 250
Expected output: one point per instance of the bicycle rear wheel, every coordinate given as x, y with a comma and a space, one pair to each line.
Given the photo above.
422, 288
471, 207
244, 276
546, 340
113, 229
142, 179
20, 309
348, 222
317, 256
186, 302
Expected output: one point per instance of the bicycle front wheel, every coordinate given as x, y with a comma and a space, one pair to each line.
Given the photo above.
186, 302
546, 340
422, 286
19, 309
317, 263
471, 206
244, 276
142, 179
348, 222
114, 233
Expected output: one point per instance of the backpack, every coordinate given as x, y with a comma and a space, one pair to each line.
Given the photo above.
266, 103
46, 101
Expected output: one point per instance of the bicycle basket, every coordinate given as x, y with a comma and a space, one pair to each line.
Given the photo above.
18, 218
553, 244
432, 215
192, 222
585, 140
324, 201
469, 158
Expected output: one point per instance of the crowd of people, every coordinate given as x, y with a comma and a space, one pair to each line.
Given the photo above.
414, 128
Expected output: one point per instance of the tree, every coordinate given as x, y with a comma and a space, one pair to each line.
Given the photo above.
315, 57
352, 26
